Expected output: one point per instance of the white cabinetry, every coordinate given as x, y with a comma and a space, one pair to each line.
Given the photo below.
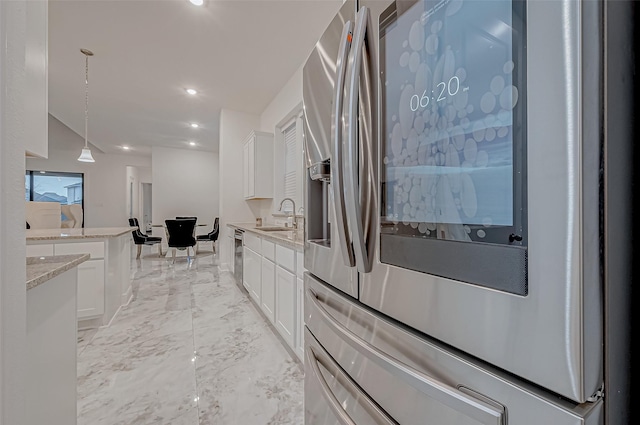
43, 250
272, 274
251, 272
91, 292
104, 282
268, 289
299, 348
257, 161
231, 253
90, 289
286, 304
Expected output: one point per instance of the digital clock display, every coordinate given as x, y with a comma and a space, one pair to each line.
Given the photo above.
450, 94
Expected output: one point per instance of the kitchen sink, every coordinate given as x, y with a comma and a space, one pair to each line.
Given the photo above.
274, 229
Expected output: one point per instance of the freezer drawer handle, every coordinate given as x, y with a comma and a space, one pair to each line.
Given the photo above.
436, 390
345, 419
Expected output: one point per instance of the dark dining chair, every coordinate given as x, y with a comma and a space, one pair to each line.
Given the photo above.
212, 236
141, 239
180, 234
187, 217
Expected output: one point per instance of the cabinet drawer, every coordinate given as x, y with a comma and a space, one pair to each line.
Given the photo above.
285, 257
252, 242
43, 250
269, 250
95, 249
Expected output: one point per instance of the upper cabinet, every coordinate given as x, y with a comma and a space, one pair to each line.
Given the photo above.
257, 160
36, 75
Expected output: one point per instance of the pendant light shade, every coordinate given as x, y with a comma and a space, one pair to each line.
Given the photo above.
86, 156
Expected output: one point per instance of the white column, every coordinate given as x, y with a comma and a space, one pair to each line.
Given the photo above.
12, 218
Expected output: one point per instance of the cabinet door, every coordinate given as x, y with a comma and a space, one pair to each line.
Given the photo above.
286, 304
231, 252
251, 273
300, 320
245, 170
249, 168
268, 296
90, 289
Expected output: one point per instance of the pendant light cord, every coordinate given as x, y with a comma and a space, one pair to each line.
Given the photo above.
86, 101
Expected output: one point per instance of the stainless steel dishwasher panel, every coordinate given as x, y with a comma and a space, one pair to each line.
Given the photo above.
237, 259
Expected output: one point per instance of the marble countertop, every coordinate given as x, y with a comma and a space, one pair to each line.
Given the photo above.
42, 269
290, 238
82, 233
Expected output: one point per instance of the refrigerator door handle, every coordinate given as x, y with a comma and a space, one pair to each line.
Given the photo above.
337, 177
457, 400
350, 143
336, 407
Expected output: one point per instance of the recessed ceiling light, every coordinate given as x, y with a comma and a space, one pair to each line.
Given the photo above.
192, 143
194, 125
126, 148
197, 2
42, 172
191, 91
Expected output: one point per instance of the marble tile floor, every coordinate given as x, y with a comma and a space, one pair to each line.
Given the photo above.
189, 349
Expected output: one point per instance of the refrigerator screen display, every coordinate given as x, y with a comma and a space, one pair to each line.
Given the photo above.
453, 139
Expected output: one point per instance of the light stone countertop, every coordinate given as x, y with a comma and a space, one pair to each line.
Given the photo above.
81, 233
42, 269
291, 238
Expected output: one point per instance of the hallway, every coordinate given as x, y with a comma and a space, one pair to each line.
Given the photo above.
189, 349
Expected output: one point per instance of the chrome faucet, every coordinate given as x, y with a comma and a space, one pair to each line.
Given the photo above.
295, 220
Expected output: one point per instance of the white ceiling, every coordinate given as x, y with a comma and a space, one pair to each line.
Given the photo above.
238, 54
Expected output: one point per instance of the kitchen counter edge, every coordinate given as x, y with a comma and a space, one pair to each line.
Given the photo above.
297, 244
81, 233
43, 269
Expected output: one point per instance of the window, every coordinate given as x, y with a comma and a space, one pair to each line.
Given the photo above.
54, 186
290, 163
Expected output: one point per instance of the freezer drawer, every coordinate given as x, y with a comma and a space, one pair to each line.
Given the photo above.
331, 397
416, 380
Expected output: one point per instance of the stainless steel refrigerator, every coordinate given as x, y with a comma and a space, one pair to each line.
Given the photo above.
452, 201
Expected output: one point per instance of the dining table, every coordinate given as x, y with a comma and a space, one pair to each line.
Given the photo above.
166, 232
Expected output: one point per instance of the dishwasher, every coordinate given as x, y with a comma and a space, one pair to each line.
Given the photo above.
237, 259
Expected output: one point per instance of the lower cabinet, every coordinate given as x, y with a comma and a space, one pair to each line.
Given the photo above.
286, 304
251, 273
300, 319
231, 243
272, 275
268, 297
90, 289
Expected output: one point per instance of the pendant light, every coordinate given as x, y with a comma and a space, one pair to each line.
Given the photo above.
85, 156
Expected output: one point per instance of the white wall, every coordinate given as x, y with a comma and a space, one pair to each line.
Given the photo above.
276, 113
105, 184
12, 235
185, 183
132, 203
234, 128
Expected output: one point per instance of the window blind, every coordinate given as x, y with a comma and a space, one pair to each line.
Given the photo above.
290, 158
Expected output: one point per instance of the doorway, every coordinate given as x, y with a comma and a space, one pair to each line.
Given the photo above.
146, 207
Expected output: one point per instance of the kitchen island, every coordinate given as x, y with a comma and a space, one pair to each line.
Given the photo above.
52, 338
104, 283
